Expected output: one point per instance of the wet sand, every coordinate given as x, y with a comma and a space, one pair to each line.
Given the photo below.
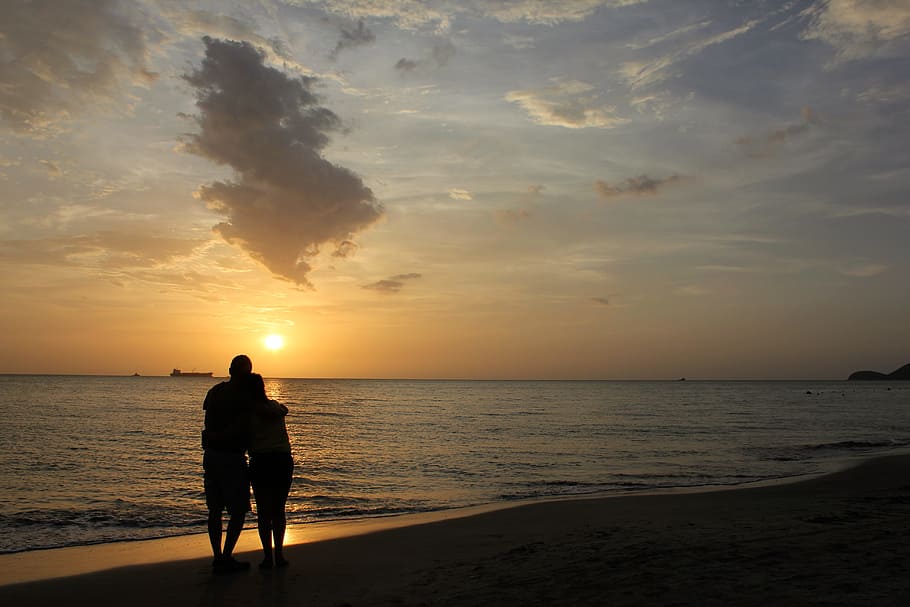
839, 539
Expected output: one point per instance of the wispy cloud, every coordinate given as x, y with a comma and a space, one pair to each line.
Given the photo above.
546, 12
351, 36
439, 14
104, 249
287, 200
393, 284
198, 23
438, 56
860, 28
644, 73
642, 185
760, 146
512, 216
460, 194
59, 58
864, 270
570, 104
690, 291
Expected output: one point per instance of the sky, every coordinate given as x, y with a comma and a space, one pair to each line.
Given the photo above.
585, 189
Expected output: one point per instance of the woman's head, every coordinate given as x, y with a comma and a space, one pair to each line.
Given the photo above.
257, 386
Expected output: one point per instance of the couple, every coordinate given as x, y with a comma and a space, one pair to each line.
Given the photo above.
240, 417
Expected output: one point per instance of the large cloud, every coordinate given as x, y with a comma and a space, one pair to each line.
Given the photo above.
60, 57
286, 201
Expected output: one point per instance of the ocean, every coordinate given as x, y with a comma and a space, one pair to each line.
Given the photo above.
90, 459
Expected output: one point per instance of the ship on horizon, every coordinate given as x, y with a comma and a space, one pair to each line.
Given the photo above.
179, 373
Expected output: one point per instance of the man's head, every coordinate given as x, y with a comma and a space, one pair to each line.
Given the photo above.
241, 366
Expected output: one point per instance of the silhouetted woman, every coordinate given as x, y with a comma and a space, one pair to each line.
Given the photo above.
271, 471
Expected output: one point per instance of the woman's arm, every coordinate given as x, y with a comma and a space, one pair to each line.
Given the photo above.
271, 408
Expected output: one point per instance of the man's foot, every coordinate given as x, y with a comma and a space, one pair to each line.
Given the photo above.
228, 565
266, 564
281, 562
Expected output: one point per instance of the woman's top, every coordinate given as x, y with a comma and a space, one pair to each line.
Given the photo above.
268, 433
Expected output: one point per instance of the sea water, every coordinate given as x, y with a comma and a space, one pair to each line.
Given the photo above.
88, 459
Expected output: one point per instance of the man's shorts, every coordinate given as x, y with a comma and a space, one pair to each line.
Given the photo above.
227, 482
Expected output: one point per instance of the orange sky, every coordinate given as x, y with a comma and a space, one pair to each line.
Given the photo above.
595, 189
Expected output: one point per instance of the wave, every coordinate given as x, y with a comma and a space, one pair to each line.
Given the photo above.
858, 445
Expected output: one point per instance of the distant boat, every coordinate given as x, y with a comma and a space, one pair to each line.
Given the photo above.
179, 373
136, 374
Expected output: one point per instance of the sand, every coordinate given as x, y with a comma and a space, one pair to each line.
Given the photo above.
839, 539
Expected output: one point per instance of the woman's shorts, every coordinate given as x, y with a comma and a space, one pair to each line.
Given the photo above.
272, 472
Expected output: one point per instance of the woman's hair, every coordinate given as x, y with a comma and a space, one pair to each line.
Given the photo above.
257, 387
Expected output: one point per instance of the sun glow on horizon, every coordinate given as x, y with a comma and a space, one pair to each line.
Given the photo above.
274, 342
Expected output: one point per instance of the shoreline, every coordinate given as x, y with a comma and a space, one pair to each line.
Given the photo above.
65, 561
830, 538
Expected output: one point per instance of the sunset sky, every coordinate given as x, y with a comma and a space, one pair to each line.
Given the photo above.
481, 189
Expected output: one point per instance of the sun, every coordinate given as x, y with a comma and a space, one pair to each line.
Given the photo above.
274, 342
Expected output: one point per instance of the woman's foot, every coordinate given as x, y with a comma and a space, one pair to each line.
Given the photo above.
266, 564
281, 562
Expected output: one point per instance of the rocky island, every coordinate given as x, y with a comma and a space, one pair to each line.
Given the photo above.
901, 374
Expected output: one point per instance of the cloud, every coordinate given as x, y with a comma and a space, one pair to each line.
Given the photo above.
345, 248
352, 36
439, 14
690, 291
642, 185
406, 65
52, 168
859, 28
439, 56
198, 23
864, 270
546, 12
887, 94
407, 14
57, 58
761, 146
512, 216
570, 104
458, 194
393, 284
106, 249
645, 73
286, 200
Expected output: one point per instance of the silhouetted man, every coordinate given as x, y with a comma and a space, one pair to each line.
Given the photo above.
227, 483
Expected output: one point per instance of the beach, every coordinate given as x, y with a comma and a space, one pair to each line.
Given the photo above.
837, 539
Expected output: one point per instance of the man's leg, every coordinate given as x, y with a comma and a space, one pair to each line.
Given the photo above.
234, 527
215, 533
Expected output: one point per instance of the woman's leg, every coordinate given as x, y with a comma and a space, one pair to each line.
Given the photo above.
279, 524
264, 506
279, 519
